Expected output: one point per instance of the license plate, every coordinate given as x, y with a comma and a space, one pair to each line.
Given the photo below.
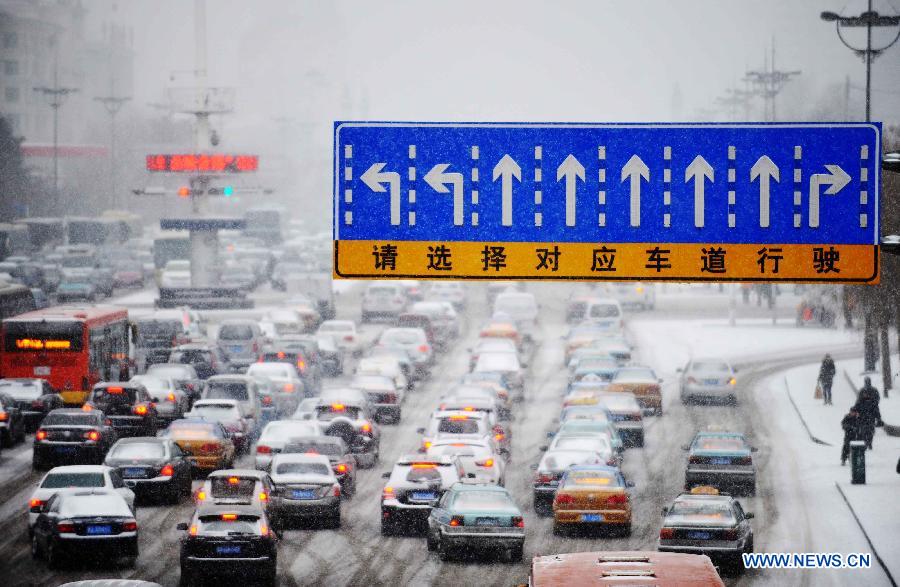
132, 473
236, 349
66, 450
710, 382
617, 417
591, 517
99, 530
304, 494
699, 535
487, 522
423, 495
230, 549
720, 461
42, 370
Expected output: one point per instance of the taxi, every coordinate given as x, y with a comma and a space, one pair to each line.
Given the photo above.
643, 383
501, 329
593, 495
705, 521
722, 460
206, 443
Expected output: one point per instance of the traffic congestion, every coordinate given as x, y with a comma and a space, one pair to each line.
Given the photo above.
440, 422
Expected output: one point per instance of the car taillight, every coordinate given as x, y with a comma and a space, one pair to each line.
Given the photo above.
424, 348
348, 337
267, 400
92, 435
457, 521
336, 490
518, 522
666, 533
201, 496
288, 388
485, 463
390, 398
35, 505
37, 404
167, 471
129, 526
40, 435
193, 531
387, 492
544, 477
730, 534
263, 496
695, 460
65, 528
564, 499
140, 410
426, 445
171, 397
620, 499
342, 468
4, 416
366, 428
209, 447
732, 381
87, 407
263, 449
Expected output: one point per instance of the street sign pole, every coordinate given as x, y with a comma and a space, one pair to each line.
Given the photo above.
655, 202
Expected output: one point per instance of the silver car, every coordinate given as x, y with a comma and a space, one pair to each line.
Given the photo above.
307, 488
708, 379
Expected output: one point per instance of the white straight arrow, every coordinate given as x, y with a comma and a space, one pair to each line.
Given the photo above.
635, 169
572, 170
374, 178
506, 169
835, 179
438, 179
699, 170
764, 169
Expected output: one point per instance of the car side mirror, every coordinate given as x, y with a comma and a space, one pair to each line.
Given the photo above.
754, 449
685, 447
550, 435
470, 476
749, 515
533, 467
629, 484
182, 526
665, 510
386, 475
420, 431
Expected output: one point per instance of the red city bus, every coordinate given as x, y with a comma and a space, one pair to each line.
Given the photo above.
72, 347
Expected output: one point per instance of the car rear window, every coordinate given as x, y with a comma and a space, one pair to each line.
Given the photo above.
225, 487
420, 474
720, 443
243, 525
301, 468
322, 448
702, 509
227, 390
189, 357
114, 394
327, 413
138, 450
458, 426
236, 332
63, 480
605, 479
70, 420
709, 366
481, 500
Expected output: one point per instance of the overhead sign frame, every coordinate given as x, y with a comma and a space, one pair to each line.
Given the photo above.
796, 202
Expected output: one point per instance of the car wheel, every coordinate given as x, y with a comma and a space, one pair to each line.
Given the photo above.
54, 559
35, 548
21, 436
444, 551
173, 496
387, 528
187, 578
336, 519
431, 541
515, 554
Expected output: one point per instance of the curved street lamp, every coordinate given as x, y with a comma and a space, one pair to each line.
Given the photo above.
870, 18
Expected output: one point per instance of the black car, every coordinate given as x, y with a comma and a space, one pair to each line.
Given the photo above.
70, 435
229, 540
12, 421
85, 523
206, 359
351, 422
153, 467
343, 462
128, 406
34, 397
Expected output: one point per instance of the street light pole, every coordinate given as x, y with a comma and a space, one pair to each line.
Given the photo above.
113, 104
868, 19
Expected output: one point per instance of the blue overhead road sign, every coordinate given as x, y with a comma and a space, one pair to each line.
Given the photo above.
797, 190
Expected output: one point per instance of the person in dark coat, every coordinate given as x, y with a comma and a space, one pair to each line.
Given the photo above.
826, 377
869, 413
852, 431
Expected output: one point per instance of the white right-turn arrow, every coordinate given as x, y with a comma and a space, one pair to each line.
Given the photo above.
835, 179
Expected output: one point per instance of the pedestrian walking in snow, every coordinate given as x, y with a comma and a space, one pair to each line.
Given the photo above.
869, 413
826, 378
852, 431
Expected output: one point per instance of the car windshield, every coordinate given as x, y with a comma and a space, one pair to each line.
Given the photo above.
458, 425
710, 367
235, 332
330, 412
482, 500
604, 311
592, 478
217, 412
302, 469
720, 443
702, 509
231, 486
62, 480
114, 394
138, 450
227, 390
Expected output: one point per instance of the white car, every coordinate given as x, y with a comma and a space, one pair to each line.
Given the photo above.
72, 478
384, 300
448, 291
276, 434
344, 333
521, 307
176, 273
415, 342
506, 363
444, 319
455, 425
171, 401
286, 382
479, 462
385, 366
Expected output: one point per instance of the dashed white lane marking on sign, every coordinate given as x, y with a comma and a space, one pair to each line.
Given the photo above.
798, 197
348, 176
348, 217
798, 187
474, 174
731, 197
475, 153
601, 219
667, 153
538, 219
474, 218
798, 176
412, 218
863, 220
474, 196
797, 221
864, 152
667, 180
412, 151
348, 151
732, 153
411, 192
412, 196
667, 198
798, 152
667, 220
412, 174
348, 173
538, 152
601, 152
864, 174
348, 196
602, 198
732, 221
864, 185
863, 197
537, 174
538, 197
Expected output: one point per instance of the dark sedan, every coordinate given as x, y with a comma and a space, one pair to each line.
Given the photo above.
34, 397
70, 435
153, 467
12, 421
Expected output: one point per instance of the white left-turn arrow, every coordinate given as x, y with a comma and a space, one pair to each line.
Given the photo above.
571, 169
375, 178
438, 179
699, 170
835, 179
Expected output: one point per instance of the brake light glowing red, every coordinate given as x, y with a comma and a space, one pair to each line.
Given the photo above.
387, 492
336, 491
267, 400
342, 468
424, 348
459, 417
289, 387
280, 354
87, 407
366, 427
457, 521
666, 533
564, 499
348, 337
618, 499
130, 526
65, 528
424, 465
263, 449
518, 522
4, 416
229, 517
115, 390
92, 435
167, 471
140, 410
35, 504
40, 435
263, 496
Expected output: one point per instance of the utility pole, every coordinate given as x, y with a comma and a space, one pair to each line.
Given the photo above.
56, 97
769, 82
113, 104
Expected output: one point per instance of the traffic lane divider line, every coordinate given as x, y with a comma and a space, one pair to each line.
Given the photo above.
370, 259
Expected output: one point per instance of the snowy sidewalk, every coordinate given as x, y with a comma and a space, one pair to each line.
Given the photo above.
876, 505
